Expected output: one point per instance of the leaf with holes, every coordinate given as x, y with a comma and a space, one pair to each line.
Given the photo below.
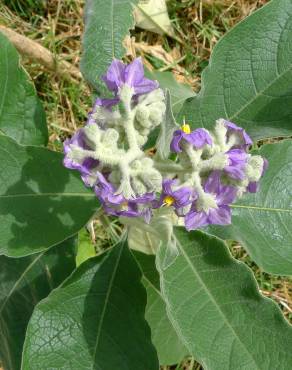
167, 343
22, 116
217, 309
41, 202
262, 222
95, 320
106, 25
23, 283
249, 78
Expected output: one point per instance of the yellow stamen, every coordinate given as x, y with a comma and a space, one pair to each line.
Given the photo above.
186, 128
124, 206
168, 200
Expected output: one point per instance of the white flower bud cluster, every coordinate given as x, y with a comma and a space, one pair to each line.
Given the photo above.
115, 137
149, 113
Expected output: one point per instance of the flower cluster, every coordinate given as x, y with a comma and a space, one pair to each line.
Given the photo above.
216, 169
207, 171
108, 150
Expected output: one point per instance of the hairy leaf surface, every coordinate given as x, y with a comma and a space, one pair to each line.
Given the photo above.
217, 309
22, 116
41, 202
23, 283
95, 320
106, 25
249, 77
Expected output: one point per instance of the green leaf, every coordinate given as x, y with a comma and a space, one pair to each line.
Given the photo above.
249, 78
167, 343
106, 25
262, 222
167, 128
41, 202
95, 320
85, 247
22, 116
152, 15
23, 283
179, 92
217, 309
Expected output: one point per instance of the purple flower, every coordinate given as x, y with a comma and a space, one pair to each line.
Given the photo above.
218, 213
240, 132
177, 198
253, 186
117, 205
88, 165
106, 103
237, 160
197, 138
132, 75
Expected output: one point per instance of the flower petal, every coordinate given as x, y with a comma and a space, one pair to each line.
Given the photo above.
134, 72
253, 187
115, 76
233, 127
174, 145
145, 86
212, 185
107, 103
236, 172
194, 220
199, 138
220, 216
226, 195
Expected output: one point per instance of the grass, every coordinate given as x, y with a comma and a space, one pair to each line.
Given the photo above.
198, 24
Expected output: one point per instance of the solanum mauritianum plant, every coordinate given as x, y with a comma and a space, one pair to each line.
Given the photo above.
168, 287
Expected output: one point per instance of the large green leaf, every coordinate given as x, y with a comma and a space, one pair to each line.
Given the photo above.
216, 306
167, 343
22, 116
106, 25
249, 78
95, 320
41, 202
262, 222
23, 283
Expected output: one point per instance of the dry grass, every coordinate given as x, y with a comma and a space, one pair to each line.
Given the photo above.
197, 23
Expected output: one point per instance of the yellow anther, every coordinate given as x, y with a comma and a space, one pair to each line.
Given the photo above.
186, 128
124, 206
168, 200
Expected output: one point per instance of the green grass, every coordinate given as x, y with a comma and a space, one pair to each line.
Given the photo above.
57, 25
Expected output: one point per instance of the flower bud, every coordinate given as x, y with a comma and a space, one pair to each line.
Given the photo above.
110, 138
254, 168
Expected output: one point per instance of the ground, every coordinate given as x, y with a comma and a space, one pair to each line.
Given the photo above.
57, 25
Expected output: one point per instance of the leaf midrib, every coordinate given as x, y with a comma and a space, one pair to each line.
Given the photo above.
108, 293
6, 82
258, 208
18, 281
47, 195
209, 294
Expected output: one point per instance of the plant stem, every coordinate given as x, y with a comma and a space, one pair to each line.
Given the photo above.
167, 167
